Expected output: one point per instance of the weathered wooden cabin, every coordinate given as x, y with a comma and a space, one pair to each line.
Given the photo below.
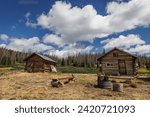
39, 63
117, 62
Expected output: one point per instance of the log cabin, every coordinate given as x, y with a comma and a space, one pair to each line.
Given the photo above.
39, 63
117, 62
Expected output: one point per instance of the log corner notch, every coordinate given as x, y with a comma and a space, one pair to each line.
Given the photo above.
59, 82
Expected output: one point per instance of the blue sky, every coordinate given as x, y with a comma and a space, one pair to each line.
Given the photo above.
75, 26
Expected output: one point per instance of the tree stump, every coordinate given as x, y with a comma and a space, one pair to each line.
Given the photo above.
56, 83
118, 87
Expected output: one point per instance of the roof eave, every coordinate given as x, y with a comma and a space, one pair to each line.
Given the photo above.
115, 49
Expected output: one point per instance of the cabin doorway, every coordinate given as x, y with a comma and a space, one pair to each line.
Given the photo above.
122, 67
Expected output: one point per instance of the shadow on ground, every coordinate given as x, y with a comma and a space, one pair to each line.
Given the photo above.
145, 79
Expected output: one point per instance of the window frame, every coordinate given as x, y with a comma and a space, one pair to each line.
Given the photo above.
109, 64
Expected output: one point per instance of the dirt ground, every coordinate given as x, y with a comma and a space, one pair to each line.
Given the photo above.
37, 86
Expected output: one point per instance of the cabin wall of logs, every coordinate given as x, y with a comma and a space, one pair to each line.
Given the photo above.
117, 62
37, 64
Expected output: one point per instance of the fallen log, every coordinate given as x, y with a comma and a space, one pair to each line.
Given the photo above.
57, 82
121, 77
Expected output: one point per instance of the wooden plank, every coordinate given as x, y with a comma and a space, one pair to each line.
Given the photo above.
121, 77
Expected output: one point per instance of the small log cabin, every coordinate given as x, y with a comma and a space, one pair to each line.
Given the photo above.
117, 62
39, 63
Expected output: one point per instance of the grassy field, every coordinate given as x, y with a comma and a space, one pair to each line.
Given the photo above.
22, 85
65, 69
60, 69
71, 69
18, 66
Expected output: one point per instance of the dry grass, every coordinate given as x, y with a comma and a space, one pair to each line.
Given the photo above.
37, 86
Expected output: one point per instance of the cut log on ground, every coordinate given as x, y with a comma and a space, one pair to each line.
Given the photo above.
56, 83
61, 81
118, 87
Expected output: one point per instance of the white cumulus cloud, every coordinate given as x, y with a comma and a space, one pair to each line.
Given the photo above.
53, 39
28, 45
75, 24
2, 45
123, 41
128, 15
131, 43
141, 49
71, 49
4, 37
28, 22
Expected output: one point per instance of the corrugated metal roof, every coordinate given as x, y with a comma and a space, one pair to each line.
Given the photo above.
41, 56
45, 58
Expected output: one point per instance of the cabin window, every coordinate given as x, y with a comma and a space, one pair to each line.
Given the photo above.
109, 64
115, 54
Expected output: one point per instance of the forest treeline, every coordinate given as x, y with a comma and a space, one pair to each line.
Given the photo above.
90, 60
79, 60
10, 57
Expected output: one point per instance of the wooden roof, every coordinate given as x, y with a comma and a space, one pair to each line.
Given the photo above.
113, 50
41, 56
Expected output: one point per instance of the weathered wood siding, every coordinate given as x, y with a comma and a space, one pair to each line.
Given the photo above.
34, 64
37, 64
110, 70
130, 67
122, 63
47, 66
